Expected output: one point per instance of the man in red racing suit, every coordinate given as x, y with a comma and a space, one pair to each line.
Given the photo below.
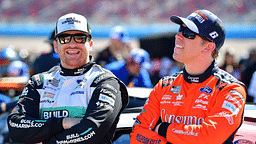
189, 106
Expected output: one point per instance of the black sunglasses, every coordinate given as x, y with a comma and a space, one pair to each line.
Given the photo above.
187, 33
66, 38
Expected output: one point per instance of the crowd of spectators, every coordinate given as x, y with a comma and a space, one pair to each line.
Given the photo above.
112, 11
156, 68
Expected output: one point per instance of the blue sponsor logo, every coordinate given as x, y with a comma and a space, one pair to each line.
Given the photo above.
206, 89
243, 141
77, 92
146, 140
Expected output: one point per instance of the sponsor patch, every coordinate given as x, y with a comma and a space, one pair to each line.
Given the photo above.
186, 132
243, 141
176, 89
166, 97
221, 85
47, 101
81, 70
214, 34
177, 103
229, 97
54, 82
76, 138
179, 97
101, 104
199, 16
107, 99
193, 79
25, 91
110, 87
199, 106
227, 116
101, 77
206, 89
167, 82
37, 78
56, 114
77, 92
71, 20
81, 83
146, 140
237, 94
204, 96
231, 107
201, 101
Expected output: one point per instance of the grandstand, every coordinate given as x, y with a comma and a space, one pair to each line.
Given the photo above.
123, 11
27, 23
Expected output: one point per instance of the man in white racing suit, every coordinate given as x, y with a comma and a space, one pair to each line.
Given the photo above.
76, 102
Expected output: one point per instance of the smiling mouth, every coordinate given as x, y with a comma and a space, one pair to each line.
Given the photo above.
73, 53
178, 46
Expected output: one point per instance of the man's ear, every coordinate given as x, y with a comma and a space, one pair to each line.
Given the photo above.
90, 45
55, 46
210, 46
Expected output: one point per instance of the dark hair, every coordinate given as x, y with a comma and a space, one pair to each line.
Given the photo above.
215, 53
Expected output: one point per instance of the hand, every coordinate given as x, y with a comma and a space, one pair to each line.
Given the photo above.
69, 122
157, 127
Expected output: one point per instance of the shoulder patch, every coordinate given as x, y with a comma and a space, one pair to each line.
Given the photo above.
168, 80
224, 78
101, 77
107, 99
36, 80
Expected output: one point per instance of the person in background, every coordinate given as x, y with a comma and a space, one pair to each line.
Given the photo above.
8, 100
248, 71
230, 65
248, 61
202, 103
132, 72
163, 67
252, 88
18, 69
118, 49
46, 61
77, 101
7, 55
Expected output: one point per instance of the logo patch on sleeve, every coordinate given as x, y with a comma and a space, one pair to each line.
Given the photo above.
107, 99
231, 107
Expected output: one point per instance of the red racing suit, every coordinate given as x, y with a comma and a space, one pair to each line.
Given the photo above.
198, 109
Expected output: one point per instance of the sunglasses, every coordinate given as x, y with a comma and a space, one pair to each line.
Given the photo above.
187, 33
78, 38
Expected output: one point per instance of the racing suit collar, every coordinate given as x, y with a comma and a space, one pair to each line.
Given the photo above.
78, 71
202, 77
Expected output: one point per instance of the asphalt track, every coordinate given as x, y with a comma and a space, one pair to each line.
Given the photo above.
37, 45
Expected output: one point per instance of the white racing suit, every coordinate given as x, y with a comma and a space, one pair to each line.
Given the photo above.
89, 92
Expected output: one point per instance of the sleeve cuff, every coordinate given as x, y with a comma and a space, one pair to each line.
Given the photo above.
163, 129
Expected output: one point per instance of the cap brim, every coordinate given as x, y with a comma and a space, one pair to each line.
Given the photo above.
180, 20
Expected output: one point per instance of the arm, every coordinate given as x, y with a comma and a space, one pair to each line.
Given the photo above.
222, 122
100, 120
146, 81
24, 123
143, 129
